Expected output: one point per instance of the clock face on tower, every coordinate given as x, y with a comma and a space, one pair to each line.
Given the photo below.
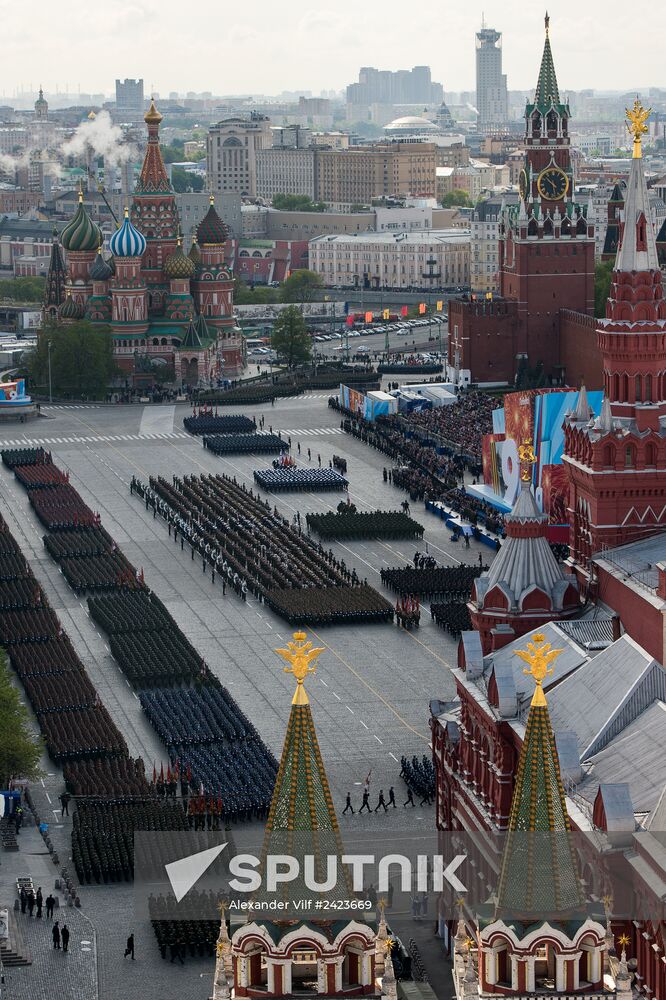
522, 184
552, 184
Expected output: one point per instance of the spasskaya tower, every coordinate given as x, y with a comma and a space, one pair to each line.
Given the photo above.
546, 256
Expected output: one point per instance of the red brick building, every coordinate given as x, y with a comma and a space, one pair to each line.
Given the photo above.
546, 261
617, 463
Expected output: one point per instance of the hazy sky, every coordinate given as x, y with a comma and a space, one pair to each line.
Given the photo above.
264, 47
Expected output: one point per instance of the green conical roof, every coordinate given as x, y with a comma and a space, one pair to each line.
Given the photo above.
191, 341
206, 335
539, 875
302, 821
547, 91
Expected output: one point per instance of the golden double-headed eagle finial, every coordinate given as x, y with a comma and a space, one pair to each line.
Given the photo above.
300, 655
538, 656
527, 460
636, 119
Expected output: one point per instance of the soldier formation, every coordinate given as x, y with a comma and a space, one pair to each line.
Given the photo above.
225, 770
247, 545
348, 523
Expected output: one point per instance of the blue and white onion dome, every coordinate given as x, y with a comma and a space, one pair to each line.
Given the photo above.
127, 241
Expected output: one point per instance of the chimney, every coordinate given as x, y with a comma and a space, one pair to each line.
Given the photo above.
661, 586
617, 625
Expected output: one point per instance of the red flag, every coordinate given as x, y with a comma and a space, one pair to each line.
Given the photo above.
350, 319
154, 773
161, 772
404, 311
168, 774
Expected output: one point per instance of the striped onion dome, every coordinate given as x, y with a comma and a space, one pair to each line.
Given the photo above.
81, 234
177, 265
127, 241
71, 309
211, 231
195, 254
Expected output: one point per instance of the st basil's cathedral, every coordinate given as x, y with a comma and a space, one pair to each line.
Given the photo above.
161, 304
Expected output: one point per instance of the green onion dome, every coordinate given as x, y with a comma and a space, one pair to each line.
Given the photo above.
211, 231
177, 265
71, 309
81, 234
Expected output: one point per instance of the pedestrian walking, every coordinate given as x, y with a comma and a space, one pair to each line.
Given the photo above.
309, 455
55, 934
129, 947
381, 802
64, 802
391, 800
23, 896
366, 803
425, 801
348, 806
410, 800
299, 447
31, 902
50, 904
319, 460
39, 902
64, 934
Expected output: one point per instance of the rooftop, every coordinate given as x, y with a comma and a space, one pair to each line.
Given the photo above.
418, 238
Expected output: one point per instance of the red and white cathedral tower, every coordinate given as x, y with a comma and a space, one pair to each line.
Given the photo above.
155, 214
617, 463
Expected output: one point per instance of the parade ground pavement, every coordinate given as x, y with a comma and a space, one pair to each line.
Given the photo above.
370, 697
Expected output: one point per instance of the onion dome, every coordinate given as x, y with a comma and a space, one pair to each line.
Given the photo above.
71, 309
81, 234
195, 255
177, 265
127, 241
211, 231
100, 271
152, 115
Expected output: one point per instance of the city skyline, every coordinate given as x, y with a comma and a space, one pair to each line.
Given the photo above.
282, 49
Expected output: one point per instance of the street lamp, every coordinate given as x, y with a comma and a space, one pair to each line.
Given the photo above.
430, 276
50, 388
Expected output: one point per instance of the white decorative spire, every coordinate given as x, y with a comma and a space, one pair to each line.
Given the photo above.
604, 421
381, 938
389, 985
638, 245
223, 959
582, 411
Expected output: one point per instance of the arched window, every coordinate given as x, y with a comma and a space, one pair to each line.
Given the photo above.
548, 227
625, 389
532, 229
638, 389
156, 342
648, 388
651, 455
630, 456
615, 391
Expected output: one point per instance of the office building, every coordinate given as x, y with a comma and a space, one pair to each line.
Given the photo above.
426, 260
129, 96
492, 101
361, 174
284, 170
231, 154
